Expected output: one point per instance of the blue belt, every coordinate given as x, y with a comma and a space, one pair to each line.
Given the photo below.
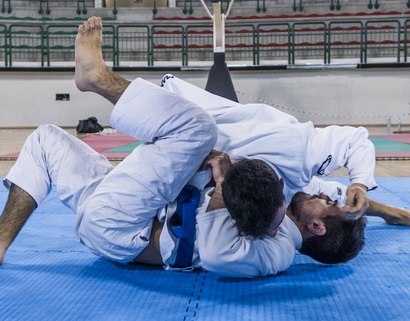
187, 201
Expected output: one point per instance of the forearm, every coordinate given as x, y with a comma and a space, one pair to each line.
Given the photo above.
392, 215
216, 201
378, 209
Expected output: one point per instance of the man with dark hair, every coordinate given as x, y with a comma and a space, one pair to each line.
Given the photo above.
342, 238
119, 210
248, 184
296, 152
126, 213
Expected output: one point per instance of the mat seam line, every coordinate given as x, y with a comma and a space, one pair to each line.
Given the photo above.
195, 297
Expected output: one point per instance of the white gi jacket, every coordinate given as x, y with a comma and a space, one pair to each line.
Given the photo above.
219, 248
116, 206
296, 151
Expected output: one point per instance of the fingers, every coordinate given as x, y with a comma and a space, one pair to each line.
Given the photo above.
219, 163
206, 162
216, 158
357, 202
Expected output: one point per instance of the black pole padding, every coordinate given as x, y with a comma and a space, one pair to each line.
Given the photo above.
219, 80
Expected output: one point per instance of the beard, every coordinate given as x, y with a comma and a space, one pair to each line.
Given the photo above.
297, 203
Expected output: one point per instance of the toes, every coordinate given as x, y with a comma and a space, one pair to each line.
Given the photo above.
95, 22
91, 21
91, 24
81, 29
87, 25
98, 22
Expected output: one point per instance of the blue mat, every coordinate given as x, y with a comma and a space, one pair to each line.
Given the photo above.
47, 275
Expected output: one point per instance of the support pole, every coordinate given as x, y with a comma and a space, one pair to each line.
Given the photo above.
219, 79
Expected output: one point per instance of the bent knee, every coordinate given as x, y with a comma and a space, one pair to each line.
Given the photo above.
208, 129
47, 133
47, 128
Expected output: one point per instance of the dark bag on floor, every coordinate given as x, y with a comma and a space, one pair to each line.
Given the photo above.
89, 125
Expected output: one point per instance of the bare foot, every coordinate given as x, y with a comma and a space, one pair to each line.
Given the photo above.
89, 63
91, 72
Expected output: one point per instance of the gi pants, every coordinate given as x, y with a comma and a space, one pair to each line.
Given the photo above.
116, 206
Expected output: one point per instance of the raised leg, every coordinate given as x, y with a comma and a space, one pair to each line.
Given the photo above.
91, 72
119, 215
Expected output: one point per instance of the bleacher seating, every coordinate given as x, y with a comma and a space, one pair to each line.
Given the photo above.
257, 32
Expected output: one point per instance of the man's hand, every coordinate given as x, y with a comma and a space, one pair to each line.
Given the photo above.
357, 202
219, 163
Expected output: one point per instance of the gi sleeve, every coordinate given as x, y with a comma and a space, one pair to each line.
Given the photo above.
224, 251
335, 190
343, 146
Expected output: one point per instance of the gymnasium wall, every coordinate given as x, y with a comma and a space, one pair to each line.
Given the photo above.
324, 95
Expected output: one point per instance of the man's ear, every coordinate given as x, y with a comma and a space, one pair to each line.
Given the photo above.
282, 183
317, 227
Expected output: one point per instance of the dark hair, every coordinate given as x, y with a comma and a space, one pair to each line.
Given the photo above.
252, 193
342, 241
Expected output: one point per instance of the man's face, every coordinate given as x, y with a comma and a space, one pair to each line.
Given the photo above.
305, 207
277, 220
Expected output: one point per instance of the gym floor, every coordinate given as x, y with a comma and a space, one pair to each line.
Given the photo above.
12, 139
48, 275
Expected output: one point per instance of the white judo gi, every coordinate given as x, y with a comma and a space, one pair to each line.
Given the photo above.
296, 151
115, 207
